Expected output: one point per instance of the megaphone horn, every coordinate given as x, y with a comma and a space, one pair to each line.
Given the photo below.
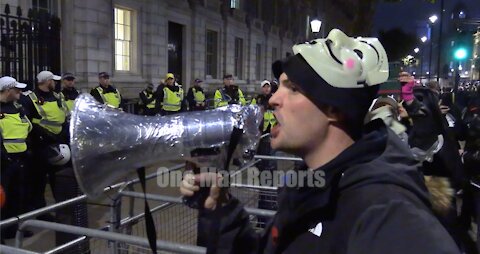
108, 144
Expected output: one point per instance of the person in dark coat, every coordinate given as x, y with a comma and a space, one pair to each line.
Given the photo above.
147, 101
361, 191
431, 138
471, 160
196, 96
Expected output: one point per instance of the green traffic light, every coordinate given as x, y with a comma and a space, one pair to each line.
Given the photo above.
460, 54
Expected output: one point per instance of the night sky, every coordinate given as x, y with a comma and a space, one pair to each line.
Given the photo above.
409, 14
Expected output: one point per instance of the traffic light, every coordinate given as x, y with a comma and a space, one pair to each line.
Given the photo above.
460, 53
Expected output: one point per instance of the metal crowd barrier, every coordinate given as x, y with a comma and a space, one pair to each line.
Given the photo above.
175, 223
11, 250
93, 233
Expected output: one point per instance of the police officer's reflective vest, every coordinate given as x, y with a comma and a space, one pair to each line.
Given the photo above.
149, 96
52, 114
172, 101
14, 129
198, 96
221, 98
69, 103
112, 98
268, 119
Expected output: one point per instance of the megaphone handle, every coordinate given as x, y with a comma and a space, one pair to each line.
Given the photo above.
198, 199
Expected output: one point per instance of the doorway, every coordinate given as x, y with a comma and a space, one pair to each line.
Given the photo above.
175, 50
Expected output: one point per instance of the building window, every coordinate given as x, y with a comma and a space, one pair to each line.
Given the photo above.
123, 39
44, 6
235, 4
258, 58
211, 53
255, 5
274, 54
275, 12
238, 57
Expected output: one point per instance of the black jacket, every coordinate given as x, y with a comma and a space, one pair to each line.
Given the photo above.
70, 94
143, 97
471, 155
428, 123
262, 100
374, 201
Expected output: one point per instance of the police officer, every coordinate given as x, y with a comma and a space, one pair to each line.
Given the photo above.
196, 96
105, 92
264, 148
229, 94
48, 112
68, 89
14, 128
148, 100
262, 100
170, 96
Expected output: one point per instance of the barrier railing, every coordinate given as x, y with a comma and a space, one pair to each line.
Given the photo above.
94, 233
122, 235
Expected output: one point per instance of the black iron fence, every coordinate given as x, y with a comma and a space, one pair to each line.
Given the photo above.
29, 44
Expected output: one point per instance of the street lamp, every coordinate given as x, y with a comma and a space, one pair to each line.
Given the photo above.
423, 39
315, 25
420, 62
459, 54
432, 19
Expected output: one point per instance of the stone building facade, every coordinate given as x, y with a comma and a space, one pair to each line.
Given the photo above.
475, 64
139, 41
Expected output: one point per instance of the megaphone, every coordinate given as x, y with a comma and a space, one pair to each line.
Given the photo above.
107, 144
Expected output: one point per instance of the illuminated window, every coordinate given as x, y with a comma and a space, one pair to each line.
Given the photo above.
44, 5
235, 4
123, 39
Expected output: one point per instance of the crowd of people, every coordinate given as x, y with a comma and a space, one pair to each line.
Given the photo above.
35, 150
169, 97
402, 174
